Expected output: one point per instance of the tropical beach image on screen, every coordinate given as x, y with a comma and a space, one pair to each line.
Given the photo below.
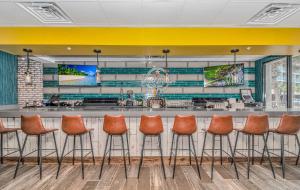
77, 75
224, 75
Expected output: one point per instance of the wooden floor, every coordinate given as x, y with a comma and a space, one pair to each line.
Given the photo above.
151, 177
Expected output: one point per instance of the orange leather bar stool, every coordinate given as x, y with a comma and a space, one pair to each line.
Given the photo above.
4, 130
115, 126
151, 126
289, 126
184, 126
33, 126
74, 126
256, 125
220, 125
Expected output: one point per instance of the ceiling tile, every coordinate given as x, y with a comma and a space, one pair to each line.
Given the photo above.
238, 13
123, 13
11, 15
84, 13
161, 13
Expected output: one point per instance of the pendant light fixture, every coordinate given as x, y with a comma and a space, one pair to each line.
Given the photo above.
98, 75
166, 51
28, 77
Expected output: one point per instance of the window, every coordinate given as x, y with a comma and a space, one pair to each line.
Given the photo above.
296, 82
276, 83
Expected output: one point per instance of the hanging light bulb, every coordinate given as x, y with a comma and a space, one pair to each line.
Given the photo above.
28, 77
166, 51
98, 74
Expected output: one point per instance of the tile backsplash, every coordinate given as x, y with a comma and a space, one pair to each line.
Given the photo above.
187, 77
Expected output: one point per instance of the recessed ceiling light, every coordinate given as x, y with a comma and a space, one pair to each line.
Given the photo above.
69, 48
46, 12
248, 48
274, 13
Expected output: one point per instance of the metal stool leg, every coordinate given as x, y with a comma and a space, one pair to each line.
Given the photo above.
176, 147
221, 150
128, 147
124, 157
282, 156
190, 158
142, 156
235, 144
74, 147
252, 159
161, 156
269, 158
170, 158
19, 144
38, 151
56, 150
92, 149
81, 150
20, 157
297, 139
104, 154
62, 156
1, 147
195, 155
203, 148
109, 154
248, 162
213, 158
40, 154
233, 159
263, 153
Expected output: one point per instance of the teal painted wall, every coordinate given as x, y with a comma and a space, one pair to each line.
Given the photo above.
8, 79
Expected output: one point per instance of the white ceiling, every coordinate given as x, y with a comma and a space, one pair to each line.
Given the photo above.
146, 13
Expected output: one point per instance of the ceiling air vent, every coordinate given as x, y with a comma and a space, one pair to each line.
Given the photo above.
274, 13
46, 12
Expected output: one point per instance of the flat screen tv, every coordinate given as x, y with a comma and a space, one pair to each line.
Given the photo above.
77, 75
224, 75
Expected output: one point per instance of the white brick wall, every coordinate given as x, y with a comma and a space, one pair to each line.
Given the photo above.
34, 91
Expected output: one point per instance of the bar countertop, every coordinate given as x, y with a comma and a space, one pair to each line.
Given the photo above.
53, 112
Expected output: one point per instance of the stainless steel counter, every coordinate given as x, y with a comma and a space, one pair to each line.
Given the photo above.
55, 112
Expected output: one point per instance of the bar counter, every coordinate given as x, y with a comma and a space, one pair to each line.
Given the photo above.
93, 118
55, 112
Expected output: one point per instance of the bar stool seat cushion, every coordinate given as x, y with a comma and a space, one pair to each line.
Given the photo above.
8, 130
116, 132
248, 132
281, 132
80, 132
184, 132
48, 131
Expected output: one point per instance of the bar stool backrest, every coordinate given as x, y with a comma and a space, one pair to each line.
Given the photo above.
257, 124
185, 124
32, 125
151, 125
289, 124
73, 124
221, 124
114, 124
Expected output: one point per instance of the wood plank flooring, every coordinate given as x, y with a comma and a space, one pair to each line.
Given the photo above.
151, 177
